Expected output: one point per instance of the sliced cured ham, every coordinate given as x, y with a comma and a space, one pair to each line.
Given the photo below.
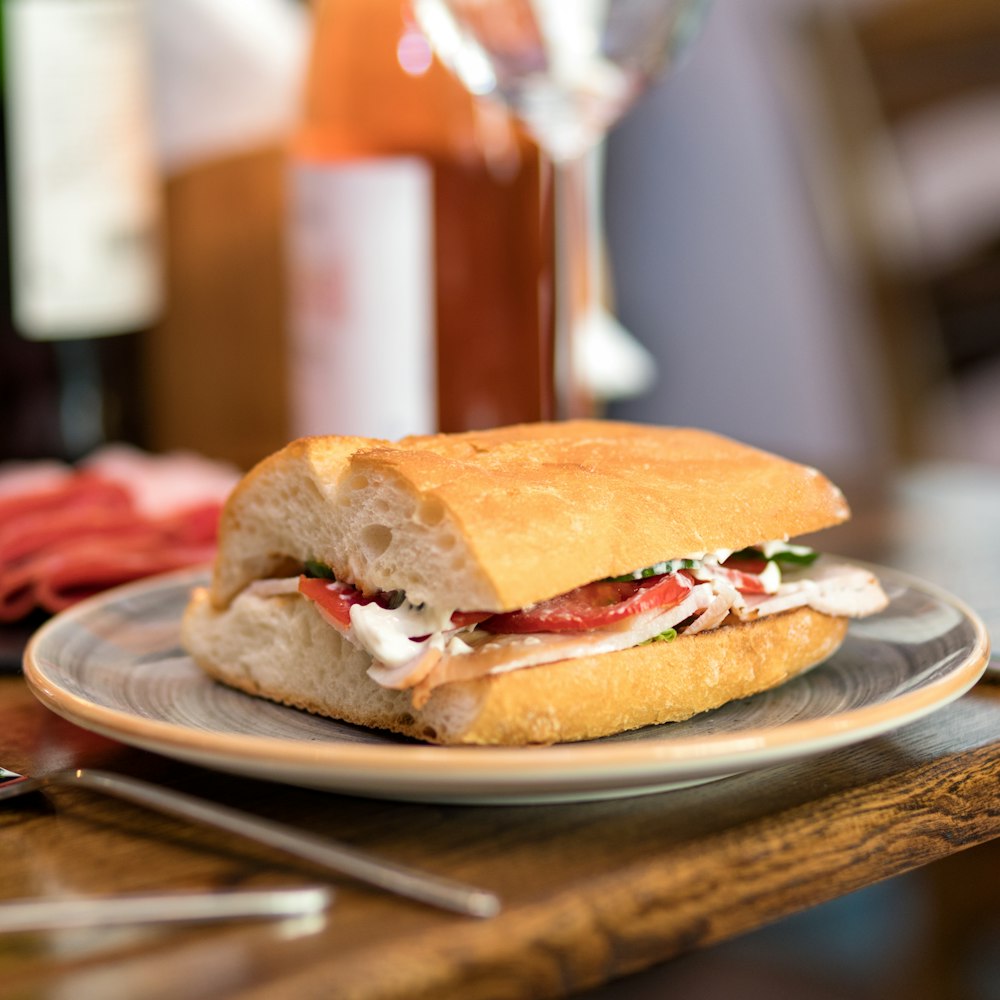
64, 578
83, 491
66, 534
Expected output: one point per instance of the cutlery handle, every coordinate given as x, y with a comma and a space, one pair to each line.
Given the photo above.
181, 907
392, 877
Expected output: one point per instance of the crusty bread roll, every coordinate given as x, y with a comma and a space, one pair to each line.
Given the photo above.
281, 649
498, 521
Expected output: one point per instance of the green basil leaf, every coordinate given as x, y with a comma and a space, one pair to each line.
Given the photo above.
668, 636
315, 568
795, 558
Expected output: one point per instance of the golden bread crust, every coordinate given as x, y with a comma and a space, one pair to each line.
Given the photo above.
521, 513
652, 684
548, 507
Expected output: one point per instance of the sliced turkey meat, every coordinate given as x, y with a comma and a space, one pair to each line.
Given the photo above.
831, 588
419, 648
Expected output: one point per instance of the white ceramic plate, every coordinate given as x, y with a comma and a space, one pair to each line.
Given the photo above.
113, 665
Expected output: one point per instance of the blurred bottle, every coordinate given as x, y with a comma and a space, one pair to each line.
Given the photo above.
418, 260
79, 221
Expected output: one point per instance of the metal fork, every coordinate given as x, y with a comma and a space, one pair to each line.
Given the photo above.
399, 879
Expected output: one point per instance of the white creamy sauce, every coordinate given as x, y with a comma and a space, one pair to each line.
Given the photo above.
684, 562
388, 633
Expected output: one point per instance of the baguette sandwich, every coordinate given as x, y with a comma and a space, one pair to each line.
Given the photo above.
532, 584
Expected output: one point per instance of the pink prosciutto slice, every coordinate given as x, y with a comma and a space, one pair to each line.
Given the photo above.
65, 536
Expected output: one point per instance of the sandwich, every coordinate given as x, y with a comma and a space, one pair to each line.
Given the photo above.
532, 584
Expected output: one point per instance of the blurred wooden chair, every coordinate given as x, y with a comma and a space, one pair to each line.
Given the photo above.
886, 73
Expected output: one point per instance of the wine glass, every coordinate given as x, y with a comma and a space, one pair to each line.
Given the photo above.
568, 69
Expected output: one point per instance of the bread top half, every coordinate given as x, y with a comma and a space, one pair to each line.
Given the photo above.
496, 520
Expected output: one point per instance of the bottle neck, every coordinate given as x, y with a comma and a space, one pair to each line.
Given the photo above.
97, 403
80, 222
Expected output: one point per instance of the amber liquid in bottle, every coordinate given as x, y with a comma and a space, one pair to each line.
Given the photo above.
374, 91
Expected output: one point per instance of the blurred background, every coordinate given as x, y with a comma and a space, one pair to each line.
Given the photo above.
803, 229
802, 242
825, 237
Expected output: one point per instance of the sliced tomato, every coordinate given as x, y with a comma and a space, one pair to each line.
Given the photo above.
333, 598
594, 605
590, 606
462, 619
336, 599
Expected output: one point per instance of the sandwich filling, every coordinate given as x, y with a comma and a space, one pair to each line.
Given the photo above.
419, 647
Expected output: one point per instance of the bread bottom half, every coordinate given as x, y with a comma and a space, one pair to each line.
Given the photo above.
280, 648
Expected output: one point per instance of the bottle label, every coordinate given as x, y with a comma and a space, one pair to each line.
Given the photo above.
81, 170
360, 246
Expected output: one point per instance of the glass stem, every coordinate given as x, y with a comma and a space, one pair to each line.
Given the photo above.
572, 293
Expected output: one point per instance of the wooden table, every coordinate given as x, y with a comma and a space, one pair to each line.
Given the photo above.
591, 891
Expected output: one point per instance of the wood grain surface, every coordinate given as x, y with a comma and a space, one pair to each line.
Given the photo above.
591, 891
